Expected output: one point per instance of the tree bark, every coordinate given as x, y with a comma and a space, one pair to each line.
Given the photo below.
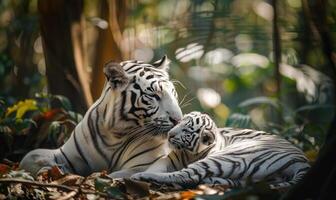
60, 23
108, 46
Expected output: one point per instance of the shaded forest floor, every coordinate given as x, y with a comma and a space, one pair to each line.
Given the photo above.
18, 184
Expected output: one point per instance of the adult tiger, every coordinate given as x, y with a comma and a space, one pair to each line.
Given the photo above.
122, 131
204, 154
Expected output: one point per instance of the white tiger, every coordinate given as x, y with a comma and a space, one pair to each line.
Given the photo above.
204, 154
122, 131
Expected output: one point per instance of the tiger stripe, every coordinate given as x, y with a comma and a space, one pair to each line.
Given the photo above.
122, 131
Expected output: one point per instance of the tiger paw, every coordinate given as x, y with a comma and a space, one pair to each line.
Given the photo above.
143, 176
154, 179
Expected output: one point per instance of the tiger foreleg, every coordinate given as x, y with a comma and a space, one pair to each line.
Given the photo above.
38, 161
177, 179
161, 166
223, 181
126, 173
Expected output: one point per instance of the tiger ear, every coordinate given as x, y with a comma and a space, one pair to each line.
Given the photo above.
208, 137
163, 63
115, 75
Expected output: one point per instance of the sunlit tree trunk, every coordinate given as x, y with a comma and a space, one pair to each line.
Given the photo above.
61, 31
108, 45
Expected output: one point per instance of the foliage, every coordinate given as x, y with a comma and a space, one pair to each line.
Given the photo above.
45, 121
298, 126
221, 53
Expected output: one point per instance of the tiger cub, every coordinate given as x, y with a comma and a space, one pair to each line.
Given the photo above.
204, 154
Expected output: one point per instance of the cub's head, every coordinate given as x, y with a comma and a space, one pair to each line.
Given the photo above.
140, 95
194, 133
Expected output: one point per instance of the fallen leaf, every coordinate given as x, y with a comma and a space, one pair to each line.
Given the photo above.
69, 180
55, 173
115, 193
138, 188
4, 169
186, 195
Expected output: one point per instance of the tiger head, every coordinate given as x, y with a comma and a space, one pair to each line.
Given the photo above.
141, 95
194, 133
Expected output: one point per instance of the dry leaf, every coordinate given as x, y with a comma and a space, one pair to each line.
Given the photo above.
138, 188
55, 173
69, 180
4, 169
186, 195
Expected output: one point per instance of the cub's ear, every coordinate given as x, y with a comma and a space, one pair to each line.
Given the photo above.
163, 63
208, 137
115, 75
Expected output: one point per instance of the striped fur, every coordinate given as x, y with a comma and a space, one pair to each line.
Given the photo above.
204, 154
123, 131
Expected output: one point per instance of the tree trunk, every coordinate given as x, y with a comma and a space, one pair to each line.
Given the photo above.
61, 31
107, 46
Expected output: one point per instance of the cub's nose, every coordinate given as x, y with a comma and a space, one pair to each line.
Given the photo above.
171, 135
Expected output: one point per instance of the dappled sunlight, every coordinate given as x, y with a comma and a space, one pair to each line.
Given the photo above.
316, 86
199, 73
190, 52
263, 9
208, 97
218, 56
244, 42
247, 62
144, 54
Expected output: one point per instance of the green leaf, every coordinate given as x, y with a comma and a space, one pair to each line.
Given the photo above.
239, 120
75, 116
20, 174
316, 112
103, 185
65, 103
100, 184
257, 101
115, 193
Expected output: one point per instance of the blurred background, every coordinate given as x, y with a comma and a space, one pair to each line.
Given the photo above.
262, 64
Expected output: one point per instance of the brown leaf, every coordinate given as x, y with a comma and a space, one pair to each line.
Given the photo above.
69, 180
55, 173
4, 169
138, 188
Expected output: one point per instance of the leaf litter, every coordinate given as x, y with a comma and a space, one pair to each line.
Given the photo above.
54, 184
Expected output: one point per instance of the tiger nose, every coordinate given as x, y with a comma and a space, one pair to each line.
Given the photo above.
174, 117
174, 121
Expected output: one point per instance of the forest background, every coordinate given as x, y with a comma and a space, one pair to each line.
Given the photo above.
267, 65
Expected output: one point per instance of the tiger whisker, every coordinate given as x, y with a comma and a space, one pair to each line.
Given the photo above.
185, 105
189, 101
184, 97
179, 82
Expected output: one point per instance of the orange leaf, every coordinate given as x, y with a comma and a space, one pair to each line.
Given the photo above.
49, 115
186, 195
4, 169
55, 173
